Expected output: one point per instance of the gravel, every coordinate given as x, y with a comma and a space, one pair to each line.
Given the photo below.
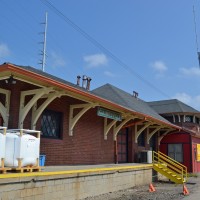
164, 191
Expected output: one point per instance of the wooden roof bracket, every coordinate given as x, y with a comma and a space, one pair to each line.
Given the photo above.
163, 135
117, 128
36, 112
107, 127
150, 134
138, 132
24, 109
4, 109
74, 119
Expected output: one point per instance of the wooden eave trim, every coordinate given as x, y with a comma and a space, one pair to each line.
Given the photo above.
135, 123
14, 68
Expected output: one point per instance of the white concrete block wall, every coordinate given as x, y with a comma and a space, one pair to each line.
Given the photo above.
73, 187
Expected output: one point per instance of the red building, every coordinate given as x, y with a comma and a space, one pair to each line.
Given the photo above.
79, 126
183, 145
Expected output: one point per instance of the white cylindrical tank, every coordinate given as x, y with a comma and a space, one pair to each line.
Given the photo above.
2, 143
22, 148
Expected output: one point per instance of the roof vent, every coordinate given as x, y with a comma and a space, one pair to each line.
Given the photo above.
135, 94
78, 80
88, 83
85, 82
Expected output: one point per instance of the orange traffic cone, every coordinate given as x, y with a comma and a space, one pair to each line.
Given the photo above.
151, 188
185, 190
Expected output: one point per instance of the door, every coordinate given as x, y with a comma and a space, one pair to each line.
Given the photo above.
122, 146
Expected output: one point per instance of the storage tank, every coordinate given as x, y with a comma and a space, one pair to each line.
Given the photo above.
2, 144
22, 149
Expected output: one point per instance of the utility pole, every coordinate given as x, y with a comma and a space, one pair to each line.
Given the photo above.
43, 53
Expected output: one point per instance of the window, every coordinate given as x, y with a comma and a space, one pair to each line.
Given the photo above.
51, 124
175, 151
188, 118
141, 139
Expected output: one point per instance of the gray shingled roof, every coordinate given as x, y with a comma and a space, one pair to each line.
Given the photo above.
126, 100
171, 106
108, 92
47, 75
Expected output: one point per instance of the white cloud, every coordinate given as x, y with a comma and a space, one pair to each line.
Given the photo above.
159, 66
4, 50
95, 60
193, 101
183, 97
57, 60
193, 71
109, 74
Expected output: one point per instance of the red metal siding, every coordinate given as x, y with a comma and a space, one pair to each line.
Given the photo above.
177, 138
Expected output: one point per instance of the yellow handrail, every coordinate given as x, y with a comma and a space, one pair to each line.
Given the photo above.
176, 167
172, 161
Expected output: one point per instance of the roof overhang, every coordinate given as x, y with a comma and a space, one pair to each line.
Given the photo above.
34, 78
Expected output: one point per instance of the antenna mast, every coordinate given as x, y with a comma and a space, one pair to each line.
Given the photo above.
196, 37
43, 61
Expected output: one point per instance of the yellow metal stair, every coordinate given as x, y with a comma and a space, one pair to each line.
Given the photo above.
169, 167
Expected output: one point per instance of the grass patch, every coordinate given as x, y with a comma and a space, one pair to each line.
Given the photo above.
193, 175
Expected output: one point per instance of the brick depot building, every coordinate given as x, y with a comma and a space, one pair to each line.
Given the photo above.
183, 146
106, 125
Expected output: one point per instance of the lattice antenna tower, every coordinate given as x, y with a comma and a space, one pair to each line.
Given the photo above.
43, 52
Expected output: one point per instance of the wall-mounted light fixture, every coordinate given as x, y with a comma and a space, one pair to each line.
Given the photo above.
10, 80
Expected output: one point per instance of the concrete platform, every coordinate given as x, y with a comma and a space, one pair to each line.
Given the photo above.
100, 166
73, 182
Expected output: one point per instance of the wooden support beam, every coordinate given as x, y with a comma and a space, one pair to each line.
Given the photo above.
138, 132
107, 127
24, 109
117, 128
4, 108
36, 112
150, 134
163, 135
74, 119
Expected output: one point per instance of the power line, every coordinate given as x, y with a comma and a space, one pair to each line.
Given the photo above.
100, 46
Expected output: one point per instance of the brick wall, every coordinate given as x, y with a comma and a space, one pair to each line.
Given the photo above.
86, 146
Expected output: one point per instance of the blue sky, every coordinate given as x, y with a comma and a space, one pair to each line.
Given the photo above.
155, 39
